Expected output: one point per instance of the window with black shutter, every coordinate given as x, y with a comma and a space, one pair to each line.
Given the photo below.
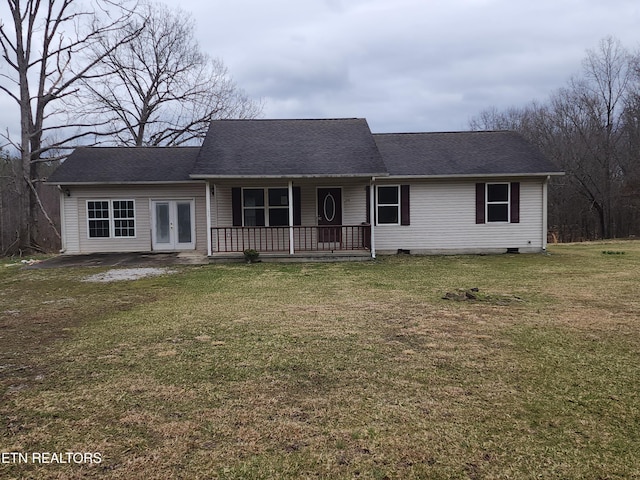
498, 202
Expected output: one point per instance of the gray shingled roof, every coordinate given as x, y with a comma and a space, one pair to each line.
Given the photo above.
288, 148
461, 153
299, 148
126, 165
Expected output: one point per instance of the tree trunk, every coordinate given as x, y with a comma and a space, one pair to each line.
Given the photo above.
23, 179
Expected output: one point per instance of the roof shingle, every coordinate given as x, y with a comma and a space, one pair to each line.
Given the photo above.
308, 148
289, 148
126, 165
461, 154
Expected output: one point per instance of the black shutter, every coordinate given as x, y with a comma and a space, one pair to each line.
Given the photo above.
480, 207
297, 206
515, 202
236, 206
368, 204
405, 216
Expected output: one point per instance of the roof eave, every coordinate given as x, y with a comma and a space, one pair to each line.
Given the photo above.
141, 182
258, 177
479, 175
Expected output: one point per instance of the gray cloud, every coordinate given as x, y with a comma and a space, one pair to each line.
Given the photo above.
406, 65
412, 65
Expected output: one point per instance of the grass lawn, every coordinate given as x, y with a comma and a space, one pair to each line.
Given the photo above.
350, 370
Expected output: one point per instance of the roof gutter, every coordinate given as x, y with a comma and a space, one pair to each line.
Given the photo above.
163, 182
293, 177
477, 175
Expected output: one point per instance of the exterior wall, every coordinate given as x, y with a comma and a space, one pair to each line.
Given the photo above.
69, 219
76, 238
443, 220
442, 214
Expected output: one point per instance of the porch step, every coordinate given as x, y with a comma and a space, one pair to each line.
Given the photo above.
191, 258
303, 257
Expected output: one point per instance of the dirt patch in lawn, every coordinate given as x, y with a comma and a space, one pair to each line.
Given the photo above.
120, 274
475, 295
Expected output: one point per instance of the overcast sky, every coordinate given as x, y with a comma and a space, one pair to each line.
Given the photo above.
404, 65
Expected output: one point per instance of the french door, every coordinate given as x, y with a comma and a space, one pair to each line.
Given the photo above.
173, 225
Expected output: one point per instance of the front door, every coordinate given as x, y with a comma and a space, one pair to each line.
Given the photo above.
173, 225
329, 214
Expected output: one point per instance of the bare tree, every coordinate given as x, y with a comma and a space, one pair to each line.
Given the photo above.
590, 128
630, 158
589, 117
49, 46
161, 89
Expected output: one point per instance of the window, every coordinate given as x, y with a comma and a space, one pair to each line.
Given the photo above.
497, 202
278, 207
392, 205
111, 218
123, 218
98, 215
388, 205
253, 207
258, 213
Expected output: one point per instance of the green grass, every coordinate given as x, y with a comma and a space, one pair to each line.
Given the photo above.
351, 370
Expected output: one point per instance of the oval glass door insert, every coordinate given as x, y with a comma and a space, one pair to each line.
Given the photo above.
329, 208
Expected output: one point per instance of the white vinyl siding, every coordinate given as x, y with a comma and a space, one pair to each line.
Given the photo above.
77, 239
443, 221
442, 215
354, 205
70, 227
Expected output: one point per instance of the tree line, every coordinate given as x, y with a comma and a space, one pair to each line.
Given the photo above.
106, 72
591, 129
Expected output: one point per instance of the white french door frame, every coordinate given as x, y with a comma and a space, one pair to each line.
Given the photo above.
168, 226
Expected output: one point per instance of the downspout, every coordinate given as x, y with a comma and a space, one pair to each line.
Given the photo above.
208, 203
63, 224
372, 215
545, 213
291, 247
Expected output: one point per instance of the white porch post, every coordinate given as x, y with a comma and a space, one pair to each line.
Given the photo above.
291, 247
372, 215
208, 203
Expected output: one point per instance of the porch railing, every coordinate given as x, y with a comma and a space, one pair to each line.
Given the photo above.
305, 239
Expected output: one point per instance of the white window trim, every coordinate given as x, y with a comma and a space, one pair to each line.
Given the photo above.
93, 200
266, 207
114, 219
111, 220
507, 202
397, 205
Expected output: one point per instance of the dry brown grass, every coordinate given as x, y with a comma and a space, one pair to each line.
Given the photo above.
332, 371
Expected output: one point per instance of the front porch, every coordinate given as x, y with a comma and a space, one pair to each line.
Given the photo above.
302, 221
305, 240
